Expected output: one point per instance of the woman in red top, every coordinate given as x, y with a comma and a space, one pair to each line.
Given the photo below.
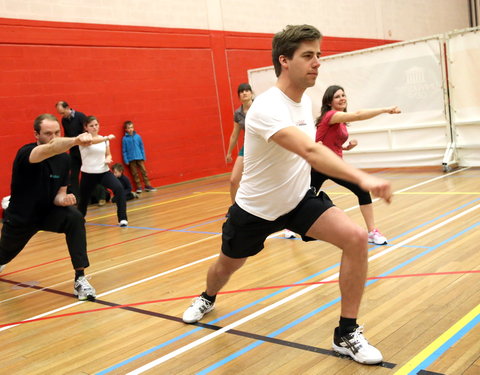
332, 132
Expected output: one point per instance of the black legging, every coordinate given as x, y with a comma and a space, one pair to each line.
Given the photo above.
107, 179
319, 178
66, 220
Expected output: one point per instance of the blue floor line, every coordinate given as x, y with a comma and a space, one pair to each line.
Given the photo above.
275, 293
447, 345
331, 303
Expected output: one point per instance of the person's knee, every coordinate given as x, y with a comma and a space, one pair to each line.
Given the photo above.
74, 216
357, 241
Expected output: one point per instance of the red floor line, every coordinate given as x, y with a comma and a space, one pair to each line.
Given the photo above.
116, 244
235, 291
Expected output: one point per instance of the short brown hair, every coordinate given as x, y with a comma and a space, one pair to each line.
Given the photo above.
118, 167
37, 123
287, 41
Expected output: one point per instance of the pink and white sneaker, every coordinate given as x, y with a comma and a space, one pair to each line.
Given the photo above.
376, 237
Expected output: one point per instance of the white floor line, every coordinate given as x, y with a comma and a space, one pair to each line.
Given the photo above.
210, 336
127, 285
166, 251
54, 286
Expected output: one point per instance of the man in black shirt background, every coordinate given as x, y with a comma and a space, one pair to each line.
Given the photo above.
39, 199
72, 123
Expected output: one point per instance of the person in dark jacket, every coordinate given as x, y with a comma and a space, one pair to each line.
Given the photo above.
72, 123
117, 170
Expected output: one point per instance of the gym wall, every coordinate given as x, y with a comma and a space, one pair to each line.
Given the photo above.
172, 67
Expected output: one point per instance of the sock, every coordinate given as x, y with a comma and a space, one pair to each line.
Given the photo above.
211, 299
347, 325
79, 273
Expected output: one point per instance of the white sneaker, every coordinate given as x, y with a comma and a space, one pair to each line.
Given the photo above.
123, 223
288, 234
2, 266
83, 290
376, 237
199, 307
356, 346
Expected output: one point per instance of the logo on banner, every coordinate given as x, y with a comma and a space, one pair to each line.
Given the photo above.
416, 85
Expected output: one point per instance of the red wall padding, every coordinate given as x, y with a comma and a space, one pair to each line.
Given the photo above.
177, 85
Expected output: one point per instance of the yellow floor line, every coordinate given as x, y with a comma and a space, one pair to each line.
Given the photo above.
430, 349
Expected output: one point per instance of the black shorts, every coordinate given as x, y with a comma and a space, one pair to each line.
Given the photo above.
244, 234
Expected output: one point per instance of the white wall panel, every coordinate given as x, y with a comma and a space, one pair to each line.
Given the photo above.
375, 19
464, 77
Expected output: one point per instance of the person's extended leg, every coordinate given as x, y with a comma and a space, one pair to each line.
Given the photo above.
317, 179
69, 220
111, 182
235, 177
218, 275
87, 186
335, 227
366, 208
367, 213
13, 240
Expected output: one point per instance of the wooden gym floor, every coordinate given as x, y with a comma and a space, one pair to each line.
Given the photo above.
421, 306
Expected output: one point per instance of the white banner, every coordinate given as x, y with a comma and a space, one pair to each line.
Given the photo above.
409, 75
464, 76
406, 75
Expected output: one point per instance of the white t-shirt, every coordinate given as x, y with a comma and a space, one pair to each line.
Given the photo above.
93, 158
274, 179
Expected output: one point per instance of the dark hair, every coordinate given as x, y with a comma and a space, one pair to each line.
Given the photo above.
126, 123
118, 167
327, 101
243, 87
287, 41
89, 119
37, 123
64, 104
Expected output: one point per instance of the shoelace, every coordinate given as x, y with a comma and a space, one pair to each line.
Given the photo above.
203, 304
358, 340
85, 284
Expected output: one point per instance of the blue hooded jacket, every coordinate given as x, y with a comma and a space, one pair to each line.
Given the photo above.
132, 148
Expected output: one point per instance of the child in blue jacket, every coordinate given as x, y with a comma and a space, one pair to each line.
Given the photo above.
134, 156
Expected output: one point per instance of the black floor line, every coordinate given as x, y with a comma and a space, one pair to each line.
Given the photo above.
209, 326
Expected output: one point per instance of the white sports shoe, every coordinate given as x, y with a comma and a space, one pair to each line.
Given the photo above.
376, 237
288, 234
356, 346
83, 290
123, 223
199, 307
2, 266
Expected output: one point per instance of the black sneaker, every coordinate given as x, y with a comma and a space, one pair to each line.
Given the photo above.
356, 346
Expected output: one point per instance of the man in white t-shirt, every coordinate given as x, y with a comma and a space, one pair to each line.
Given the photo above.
275, 190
